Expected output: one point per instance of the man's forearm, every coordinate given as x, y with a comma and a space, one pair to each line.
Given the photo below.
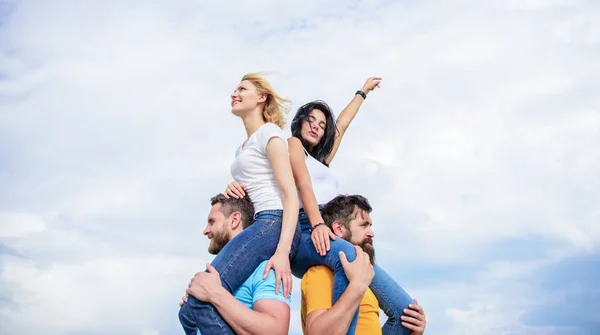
336, 320
242, 319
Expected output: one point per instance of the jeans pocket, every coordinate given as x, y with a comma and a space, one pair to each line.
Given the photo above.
265, 225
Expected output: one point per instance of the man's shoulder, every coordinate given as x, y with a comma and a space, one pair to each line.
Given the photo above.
265, 288
316, 290
257, 275
319, 269
317, 276
318, 272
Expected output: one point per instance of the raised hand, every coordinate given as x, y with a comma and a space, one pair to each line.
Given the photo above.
370, 84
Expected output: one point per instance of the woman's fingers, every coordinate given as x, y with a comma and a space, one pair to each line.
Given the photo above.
288, 285
239, 189
322, 243
315, 242
326, 238
230, 192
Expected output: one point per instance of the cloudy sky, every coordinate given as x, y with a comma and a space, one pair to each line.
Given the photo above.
480, 152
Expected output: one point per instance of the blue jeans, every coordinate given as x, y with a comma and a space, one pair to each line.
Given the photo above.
235, 263
392, 298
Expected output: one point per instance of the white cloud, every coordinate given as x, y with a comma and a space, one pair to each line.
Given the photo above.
114, 295
20, 224
115, 131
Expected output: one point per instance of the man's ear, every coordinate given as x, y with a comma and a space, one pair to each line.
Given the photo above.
236, 220
338, 228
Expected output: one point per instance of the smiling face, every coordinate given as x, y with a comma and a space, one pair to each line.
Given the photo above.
313, 127
245, 98
218, 229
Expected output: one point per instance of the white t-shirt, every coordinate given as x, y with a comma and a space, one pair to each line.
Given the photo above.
252, 169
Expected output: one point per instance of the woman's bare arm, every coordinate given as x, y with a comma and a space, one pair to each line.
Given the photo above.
280, 164
348, 114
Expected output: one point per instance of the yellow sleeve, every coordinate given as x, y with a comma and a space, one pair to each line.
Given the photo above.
317, 285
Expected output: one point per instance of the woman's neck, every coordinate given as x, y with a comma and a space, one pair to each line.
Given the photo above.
253, 121
308, 147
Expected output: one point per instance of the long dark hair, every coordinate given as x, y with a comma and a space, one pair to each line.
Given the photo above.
322, 150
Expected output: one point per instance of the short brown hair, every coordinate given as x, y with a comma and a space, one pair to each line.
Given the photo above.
341, 209
228, 206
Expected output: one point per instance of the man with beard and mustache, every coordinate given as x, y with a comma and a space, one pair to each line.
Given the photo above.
254, 308
348, 218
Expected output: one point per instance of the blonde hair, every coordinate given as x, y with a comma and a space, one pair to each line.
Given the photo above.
275, 105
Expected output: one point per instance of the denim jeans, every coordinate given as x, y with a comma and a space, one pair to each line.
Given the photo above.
392, 298
235, 263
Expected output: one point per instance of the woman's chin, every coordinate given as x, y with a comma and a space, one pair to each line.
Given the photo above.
236, 111
312, 143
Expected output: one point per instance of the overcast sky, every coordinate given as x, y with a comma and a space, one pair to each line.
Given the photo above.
480, 153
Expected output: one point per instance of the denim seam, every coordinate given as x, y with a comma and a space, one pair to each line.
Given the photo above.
268, 225
249, 242
216, 320
387, 303
384, 302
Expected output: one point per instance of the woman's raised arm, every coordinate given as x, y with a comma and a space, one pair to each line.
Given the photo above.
348, 114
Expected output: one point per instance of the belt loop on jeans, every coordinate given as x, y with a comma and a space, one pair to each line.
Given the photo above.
302, 210
277, 212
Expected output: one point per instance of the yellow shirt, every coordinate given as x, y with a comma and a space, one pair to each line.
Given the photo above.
317, 287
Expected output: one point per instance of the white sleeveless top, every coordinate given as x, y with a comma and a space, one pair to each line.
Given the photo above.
324, 182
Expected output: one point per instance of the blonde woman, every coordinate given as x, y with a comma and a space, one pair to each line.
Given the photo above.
262, 164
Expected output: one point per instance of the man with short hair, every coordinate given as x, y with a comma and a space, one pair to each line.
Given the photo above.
254, 308
348, 217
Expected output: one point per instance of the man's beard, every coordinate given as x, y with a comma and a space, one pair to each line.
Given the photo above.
366, 245
218, 242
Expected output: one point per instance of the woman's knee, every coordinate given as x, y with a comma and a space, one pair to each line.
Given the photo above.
346, 247
395, 305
